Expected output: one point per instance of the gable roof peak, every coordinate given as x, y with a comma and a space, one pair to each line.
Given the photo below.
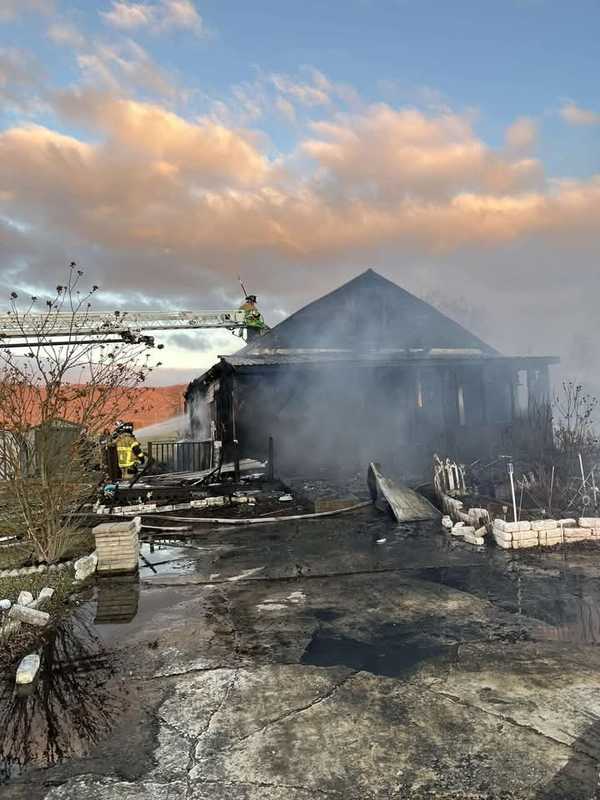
368, 311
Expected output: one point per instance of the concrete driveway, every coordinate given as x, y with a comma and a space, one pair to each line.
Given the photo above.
308, 661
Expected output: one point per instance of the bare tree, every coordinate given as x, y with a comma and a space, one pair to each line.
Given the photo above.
57, 399
574, 426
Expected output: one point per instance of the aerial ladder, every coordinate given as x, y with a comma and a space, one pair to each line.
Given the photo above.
100, 327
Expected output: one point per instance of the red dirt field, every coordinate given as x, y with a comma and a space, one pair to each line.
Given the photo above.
153, 404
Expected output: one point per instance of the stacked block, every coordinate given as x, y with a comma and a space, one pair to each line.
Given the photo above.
513, 534
544, 532
209, 502
118, 546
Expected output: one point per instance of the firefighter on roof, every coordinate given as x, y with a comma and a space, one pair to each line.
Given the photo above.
253, 319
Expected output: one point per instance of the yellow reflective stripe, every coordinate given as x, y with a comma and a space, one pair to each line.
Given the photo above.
125, 456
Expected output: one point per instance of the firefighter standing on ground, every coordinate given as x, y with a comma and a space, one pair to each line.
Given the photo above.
129, 451
253, 319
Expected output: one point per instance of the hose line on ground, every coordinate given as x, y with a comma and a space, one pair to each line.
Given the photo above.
256, 520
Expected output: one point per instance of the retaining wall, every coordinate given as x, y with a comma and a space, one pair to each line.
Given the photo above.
545, 532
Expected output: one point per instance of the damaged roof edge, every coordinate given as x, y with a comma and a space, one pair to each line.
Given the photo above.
389, 359
386, 359
207, 377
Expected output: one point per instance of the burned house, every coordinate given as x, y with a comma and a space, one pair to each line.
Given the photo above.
366, 372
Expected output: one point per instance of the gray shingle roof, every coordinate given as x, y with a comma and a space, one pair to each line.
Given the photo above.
367, 313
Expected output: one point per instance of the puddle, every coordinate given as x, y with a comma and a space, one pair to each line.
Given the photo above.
117, 599
70, 708
392, 652
167, 559
79, 693
566, 601
326, 614
122, 610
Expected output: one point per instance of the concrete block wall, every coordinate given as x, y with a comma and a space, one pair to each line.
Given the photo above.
118, 546
148, 508
544, 532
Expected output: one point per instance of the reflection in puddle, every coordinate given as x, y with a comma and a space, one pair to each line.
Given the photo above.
566, 601
117, 599
582, 624
71, 707
168, 558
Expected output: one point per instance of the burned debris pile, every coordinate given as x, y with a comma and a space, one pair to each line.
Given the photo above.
234, 491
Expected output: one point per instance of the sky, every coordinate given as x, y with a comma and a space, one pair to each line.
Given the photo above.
170, 146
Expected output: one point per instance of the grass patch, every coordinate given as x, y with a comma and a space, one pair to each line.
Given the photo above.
62, 582
79, 543
27, 639
14, 556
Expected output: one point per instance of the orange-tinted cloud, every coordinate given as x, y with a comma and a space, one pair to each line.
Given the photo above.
157, 180
150, 187
167, 208
147, 134
384, 153
575, 115
521, 137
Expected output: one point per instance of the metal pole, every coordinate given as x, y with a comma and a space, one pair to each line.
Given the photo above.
511, 475
551, 491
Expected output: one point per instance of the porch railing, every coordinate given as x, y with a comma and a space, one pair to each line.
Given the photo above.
184, 456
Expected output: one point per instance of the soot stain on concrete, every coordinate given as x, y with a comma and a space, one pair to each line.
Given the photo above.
392, 652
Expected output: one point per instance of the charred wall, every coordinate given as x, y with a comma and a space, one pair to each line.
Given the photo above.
340, 416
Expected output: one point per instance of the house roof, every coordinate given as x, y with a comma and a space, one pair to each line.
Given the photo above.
368, 320
369, 313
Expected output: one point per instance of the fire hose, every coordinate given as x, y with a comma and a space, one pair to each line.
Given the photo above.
258, 520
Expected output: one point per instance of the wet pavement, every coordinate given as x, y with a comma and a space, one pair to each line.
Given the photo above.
308, 660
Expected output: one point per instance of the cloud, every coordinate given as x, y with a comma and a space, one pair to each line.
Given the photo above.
521, 137
20, 79
385, 153
180, 153
124, 67
11, 9
176, 207
286, 108
197, 341
128, 16
66, 34
575, 115
199, 192
165, 15
294, 98
315, 94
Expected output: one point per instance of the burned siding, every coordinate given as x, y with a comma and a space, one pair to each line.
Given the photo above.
341, 416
